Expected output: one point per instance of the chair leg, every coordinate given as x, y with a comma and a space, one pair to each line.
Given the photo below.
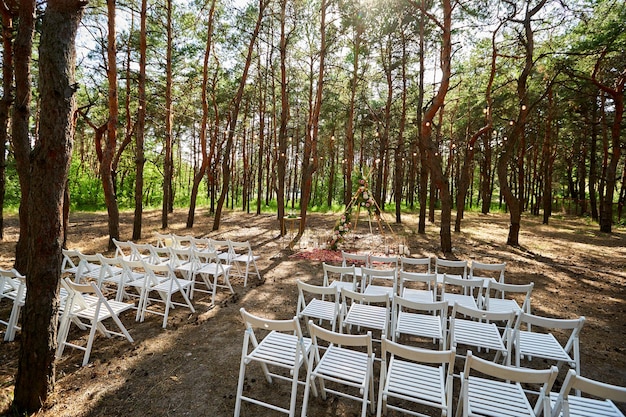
242, 374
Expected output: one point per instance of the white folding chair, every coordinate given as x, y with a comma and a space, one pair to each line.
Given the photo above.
111, 272
150, 254
223, 250
502, 394
77, 308
383, 262
211, 269
339, 273
244, 258
422, 320
164, 240
380, 281
428, 285
343, 364
483, 270
182, 241
88, 267
472, 327
282, 346
70, 262
599, 401
364, 310
124, 250
12, 288
161, 279
326, 307
456, 269
496, 297
466, 292
358, 260
421, 265
531, 343
420, 376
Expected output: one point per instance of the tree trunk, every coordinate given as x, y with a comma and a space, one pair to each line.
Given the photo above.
5, 102
141, 122
423, 154
168, 160
234, 114
547, 159
20, 121
593, 161
399, 162
309, 160
349, 141
206, 160
50, 167
434, 157
281, 164
106, 165
516, 134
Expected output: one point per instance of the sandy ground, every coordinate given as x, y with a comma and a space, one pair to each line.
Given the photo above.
191, 368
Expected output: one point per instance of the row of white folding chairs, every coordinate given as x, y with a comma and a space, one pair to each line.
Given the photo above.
236, 253
505, 332
102, 269
407, 374
148, 268
485, 293
77, 302
439, 266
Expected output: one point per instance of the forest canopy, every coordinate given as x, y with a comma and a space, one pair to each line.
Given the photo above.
253, 105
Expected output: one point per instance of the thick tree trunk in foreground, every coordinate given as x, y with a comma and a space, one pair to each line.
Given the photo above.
50, 167
20, 121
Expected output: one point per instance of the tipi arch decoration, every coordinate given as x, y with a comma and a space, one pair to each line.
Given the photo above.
362, 199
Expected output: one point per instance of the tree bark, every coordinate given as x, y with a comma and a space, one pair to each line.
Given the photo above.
168, 160
434, 157
20, 121
516, 134
6, 101
309, 160
50, 167
141, 122
281, 164
233, 115
206, 160
106, 165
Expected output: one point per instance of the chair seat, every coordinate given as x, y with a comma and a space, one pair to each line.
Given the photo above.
213, 269
462, 300
246, 258
343, 284
420, 296
165, 285
373, 317
543, 345
474, 333
499, 305
279, 349
118, 307
320, 309
379, 290
587, 407
425, 325
496, 398
416, 382
345, 365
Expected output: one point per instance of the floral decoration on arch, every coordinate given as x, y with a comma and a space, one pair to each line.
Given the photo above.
361, 198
